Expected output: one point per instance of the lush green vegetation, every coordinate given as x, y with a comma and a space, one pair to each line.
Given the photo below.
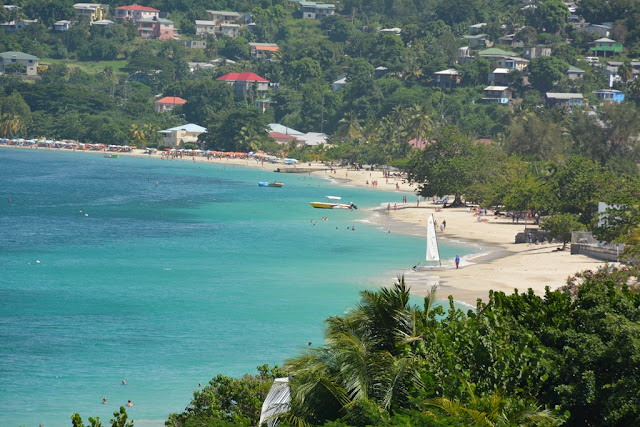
568, 357
113, 75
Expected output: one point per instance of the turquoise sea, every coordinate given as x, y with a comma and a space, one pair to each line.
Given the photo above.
166, 273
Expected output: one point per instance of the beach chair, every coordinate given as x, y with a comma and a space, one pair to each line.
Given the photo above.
443, 201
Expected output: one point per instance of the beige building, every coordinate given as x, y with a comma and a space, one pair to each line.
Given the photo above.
29, 61
92, 11
178, 136
223, 17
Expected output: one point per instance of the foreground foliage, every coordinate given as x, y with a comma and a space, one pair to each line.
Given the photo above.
570, 356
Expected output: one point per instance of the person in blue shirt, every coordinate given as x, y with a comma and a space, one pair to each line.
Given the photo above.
457, 261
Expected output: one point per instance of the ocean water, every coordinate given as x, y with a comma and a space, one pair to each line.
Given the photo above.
166, 273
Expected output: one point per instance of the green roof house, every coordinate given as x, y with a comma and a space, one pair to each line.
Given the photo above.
494, 52
29, 61
574, 73
605, 47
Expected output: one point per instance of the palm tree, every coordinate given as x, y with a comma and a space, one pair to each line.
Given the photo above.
11, 125
137, 134
495, 410
361, 361
419, 121
350, 125
625, 71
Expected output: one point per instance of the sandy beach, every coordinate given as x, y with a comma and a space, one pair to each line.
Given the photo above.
501, 265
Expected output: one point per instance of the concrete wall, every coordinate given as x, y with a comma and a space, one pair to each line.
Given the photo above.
606, 254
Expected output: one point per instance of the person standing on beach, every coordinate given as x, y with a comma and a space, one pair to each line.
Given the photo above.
457, 261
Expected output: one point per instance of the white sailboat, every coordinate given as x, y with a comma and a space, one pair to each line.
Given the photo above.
433, 253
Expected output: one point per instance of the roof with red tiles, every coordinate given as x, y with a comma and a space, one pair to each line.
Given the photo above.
242, 77
171, 100
138, 7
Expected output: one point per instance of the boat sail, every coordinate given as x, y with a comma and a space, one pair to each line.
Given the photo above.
433, 254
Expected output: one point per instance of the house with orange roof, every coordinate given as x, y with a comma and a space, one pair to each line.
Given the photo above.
135, 12
263, 50
168, 103
244, 83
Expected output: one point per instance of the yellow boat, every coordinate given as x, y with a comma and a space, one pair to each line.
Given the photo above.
333, 204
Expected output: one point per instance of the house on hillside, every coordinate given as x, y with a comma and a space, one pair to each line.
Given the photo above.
103, 23
477, 28
496, 95
205, 27
244, 83
62, 25
168, 103
135, 12
494, 53
263, 50
609, 95
194, 44
155, 28
447, 78
536, 52
512, 63
478, 40
339, 84
91, 11
574, 73
464, 55
563, 99
510, 40
605, 47
30, 62
229, 30
600, 30
499, 77
313, 10
13, 26
223, 17
178, 136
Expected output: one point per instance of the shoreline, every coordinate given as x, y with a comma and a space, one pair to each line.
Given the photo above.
500, 264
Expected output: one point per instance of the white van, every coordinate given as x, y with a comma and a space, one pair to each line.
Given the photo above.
592, 59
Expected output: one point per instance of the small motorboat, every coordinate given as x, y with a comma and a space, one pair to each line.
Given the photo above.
111, 156
333, 203
270, 184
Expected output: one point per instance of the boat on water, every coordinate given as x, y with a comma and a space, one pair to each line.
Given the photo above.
333, 202
270, 184
111, 156
433, 253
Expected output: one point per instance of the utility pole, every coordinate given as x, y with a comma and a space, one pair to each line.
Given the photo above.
322, 114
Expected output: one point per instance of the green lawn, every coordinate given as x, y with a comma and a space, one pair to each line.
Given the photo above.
91, 67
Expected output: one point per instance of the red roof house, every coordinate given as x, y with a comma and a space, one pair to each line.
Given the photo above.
135, 12
244, 82
168, 103
282, 138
